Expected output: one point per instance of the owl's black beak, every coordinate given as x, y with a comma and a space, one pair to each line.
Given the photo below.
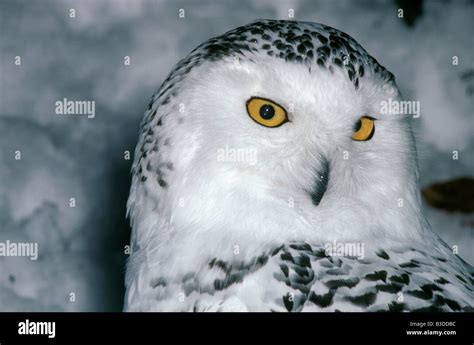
320, 183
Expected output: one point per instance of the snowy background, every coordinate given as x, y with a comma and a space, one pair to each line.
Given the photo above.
81, 249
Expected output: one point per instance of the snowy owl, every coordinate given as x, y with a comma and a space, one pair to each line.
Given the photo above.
267, 178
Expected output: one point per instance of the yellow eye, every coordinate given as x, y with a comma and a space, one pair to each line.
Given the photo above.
364, 129
265, 112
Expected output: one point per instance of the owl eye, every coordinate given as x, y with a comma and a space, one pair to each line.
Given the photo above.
364, 129
266, 112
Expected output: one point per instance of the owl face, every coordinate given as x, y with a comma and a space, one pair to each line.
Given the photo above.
268, 135
265, 149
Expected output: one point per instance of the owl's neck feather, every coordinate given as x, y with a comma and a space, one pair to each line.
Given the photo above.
229, 220
367, 205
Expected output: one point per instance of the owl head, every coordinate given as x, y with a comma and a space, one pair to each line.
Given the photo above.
274, 132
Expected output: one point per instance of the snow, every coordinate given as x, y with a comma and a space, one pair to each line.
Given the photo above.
81, 248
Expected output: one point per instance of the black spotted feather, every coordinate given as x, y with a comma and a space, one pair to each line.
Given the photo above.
302, 277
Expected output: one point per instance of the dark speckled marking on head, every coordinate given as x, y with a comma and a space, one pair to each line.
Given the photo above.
154, 283
310, 44
162, 182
